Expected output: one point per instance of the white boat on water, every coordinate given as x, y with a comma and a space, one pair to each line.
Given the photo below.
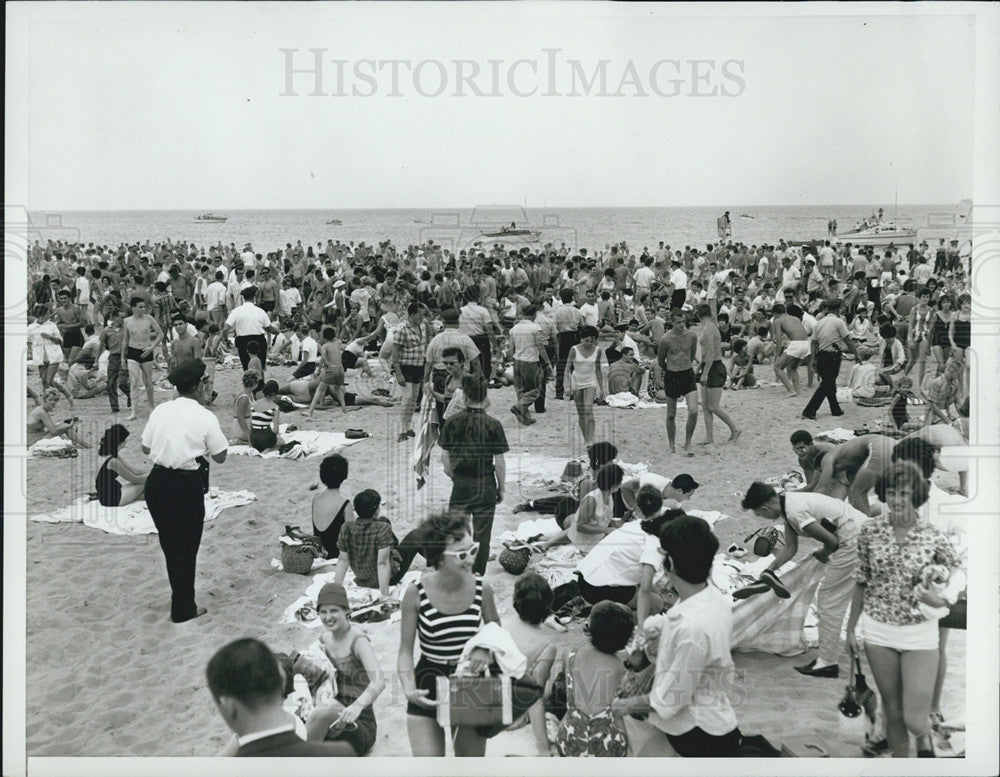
210, 217
336, 222
880, 234
513, 235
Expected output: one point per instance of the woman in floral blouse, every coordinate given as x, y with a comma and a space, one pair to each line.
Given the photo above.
900, 641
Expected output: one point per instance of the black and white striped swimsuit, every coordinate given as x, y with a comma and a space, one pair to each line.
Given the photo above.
442, 636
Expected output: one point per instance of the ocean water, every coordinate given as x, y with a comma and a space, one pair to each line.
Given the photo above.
591, 228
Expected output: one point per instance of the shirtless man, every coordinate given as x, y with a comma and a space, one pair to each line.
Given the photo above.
676, 356
789, 334
805, 449
141, 334
184, 347
302, 391
713, 376
70, 319
852, 468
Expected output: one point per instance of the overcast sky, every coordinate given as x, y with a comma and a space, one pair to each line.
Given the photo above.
134, 105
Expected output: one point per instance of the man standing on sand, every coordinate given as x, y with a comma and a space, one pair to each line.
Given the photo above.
184, 347
678, 279
792, 341
828, 334
215, 300
527, 345
177, 437
249, 322
676, 356
567, 320
713, 376
140, 336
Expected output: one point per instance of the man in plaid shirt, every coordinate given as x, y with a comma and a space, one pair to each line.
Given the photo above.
368, 546
409, 347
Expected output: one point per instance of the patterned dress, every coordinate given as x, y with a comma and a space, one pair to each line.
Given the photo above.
600, 735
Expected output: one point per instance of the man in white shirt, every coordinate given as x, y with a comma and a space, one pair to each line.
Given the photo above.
527, 343
688, 702
289, 299
178, 436
215, 300
589, 309
249, 322
644, 276
678, 279
83, 293
309, 350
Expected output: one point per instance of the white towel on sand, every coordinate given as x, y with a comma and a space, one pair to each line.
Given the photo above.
311, 445
134, 518
48, 445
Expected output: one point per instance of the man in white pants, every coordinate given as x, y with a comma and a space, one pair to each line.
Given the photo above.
835, 524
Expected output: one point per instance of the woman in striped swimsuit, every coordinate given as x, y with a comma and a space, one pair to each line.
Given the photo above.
265, 418
445, 609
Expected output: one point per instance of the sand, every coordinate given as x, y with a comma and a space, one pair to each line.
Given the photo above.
107, 673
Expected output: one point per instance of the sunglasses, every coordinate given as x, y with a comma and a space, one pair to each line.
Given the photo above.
462, 555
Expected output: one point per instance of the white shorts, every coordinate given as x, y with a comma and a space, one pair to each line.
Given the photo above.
914, 636
798, 349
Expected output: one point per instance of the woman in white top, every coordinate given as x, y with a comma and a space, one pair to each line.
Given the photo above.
586, 380
593, 518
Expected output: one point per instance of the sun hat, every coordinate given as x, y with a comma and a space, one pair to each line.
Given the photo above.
335, 594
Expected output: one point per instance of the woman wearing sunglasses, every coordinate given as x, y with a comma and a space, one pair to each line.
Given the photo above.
444, 609
833, 523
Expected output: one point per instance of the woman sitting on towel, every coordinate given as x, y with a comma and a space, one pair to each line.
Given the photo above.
41, 426
593, 518
599, 454
118, 483
265, 418
242, 408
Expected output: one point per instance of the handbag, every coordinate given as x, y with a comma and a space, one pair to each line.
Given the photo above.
858, 696
767, 540
489, 703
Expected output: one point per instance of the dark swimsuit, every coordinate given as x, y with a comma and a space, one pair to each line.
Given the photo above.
109, 490
331, 533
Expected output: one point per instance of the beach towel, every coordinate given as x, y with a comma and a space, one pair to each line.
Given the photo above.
311, 445
836, 435
52, 446
134, 518
427, 436
303, 610
626, 399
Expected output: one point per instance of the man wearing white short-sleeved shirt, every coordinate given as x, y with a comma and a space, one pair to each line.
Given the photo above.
178, 436
249, 322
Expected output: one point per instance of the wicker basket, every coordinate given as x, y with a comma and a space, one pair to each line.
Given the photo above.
297, 559
514, 561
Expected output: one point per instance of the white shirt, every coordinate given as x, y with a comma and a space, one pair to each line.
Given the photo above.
805, 507
790, 276
248, 319
644, 277
288, 300
215, 295
679, 279
526, 336
589, 313
618, 558
43, 350
180, 430
310, 349
82, 290
694, 667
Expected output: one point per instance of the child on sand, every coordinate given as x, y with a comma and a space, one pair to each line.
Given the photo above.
368, 546
330, 371
359, 677
740, 368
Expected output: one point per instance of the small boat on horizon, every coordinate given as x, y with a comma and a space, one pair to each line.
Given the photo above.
336, 222
515, 234
211, 217
747, 216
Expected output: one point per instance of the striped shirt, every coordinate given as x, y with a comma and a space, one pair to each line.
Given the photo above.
443, 636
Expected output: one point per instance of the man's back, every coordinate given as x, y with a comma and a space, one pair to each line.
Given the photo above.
288, 744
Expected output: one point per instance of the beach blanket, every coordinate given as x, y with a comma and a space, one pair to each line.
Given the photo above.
626, 399
311, 445
303, 610
134, 518
52, 446
836, 435
427, 436
792, 480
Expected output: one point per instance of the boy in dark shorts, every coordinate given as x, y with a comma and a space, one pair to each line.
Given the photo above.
676, 355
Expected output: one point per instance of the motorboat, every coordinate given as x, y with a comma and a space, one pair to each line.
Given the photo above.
335, 222
511, 233
882, 233
747, 216
210, 217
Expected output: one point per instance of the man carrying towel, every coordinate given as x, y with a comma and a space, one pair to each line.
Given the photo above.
177, 435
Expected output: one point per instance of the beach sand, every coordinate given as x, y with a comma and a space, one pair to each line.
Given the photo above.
107, 673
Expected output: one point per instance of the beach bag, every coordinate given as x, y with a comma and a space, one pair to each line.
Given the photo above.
298, 558
514, 557
355, 434
490, 703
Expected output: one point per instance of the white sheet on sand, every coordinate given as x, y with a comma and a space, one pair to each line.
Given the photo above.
134, 518
50, 445
357, 595
626, 399
312, 445
837, 434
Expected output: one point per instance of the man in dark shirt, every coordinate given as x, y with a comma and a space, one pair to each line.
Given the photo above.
474, 444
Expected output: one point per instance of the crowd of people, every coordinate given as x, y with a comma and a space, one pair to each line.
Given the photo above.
661, 325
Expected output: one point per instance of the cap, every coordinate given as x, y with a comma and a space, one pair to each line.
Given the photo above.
684, 482
449, 315
187, 375
335, 594
339, 284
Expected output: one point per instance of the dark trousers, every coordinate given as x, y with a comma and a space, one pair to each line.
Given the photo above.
827, 368
409, 547
699, 744
875, 297
117, 379
565, 340
677, 298
304, 370
527, 382
176, 502
476, 497
485, 354
439, 379
241, 348
546, 369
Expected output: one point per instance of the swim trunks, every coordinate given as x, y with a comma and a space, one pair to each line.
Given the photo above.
135, 355
72, 338
717, 375
677, 384
797, 349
